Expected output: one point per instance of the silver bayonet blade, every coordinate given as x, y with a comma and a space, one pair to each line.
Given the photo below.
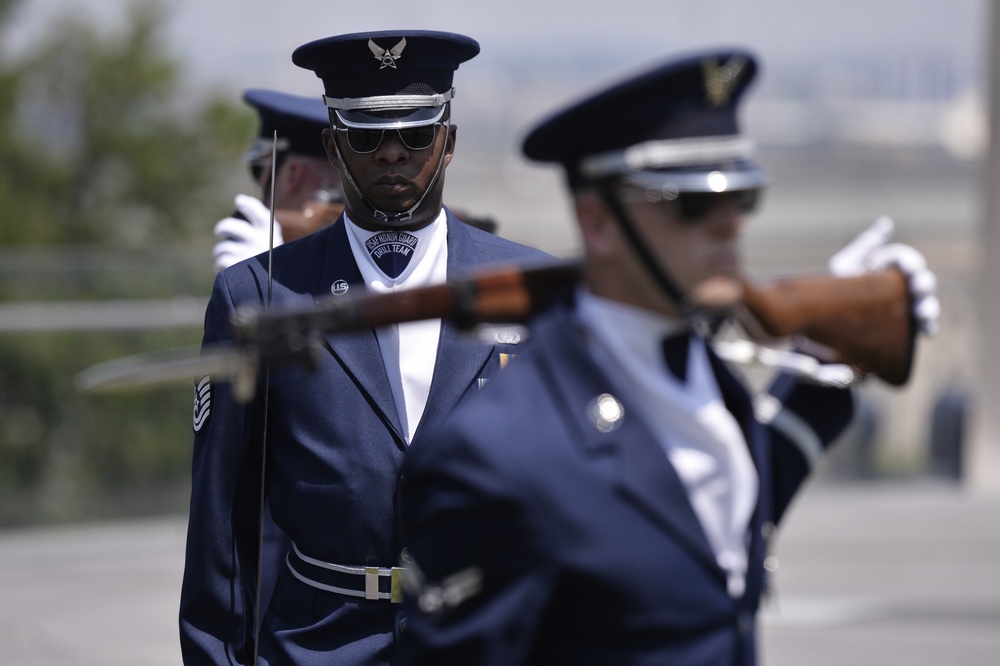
169, 367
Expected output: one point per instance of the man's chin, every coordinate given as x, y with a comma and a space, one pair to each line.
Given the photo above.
717, 292
395, 206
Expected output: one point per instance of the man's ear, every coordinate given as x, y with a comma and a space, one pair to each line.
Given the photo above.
597, 224
295, 173
449, 146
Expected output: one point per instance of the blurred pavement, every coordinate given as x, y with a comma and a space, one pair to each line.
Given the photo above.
886, 573
877, 573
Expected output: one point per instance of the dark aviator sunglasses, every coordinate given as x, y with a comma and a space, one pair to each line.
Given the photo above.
365, 141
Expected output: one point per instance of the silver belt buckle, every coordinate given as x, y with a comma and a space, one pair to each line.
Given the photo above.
398, 578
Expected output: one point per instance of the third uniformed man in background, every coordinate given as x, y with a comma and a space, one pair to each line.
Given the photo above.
307, 193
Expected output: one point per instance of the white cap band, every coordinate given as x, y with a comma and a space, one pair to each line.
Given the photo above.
666, 154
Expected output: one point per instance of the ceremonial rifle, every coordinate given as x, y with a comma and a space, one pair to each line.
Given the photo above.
862, 322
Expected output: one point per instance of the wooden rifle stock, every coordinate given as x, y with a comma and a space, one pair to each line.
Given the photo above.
865, 320
313, 216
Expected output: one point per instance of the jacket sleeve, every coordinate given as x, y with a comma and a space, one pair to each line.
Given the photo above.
217, 602
804, 420
465, 604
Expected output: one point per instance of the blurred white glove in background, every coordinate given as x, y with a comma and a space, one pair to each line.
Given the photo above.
870, 251
242, 239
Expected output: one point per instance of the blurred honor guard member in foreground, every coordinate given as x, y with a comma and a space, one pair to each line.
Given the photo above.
336, 435
609, 497
306, 189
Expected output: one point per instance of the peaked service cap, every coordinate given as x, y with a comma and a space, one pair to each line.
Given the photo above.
298, 121
674, 127
387, 79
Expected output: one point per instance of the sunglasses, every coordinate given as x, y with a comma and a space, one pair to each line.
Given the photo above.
365, 141
693, 207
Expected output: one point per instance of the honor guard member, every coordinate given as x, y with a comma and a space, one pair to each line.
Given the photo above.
336, 435
307, 193
608, 498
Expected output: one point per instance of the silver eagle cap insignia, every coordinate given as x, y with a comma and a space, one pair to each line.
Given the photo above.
387, 57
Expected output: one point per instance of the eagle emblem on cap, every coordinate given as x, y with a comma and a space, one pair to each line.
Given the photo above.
721, 79
387, 57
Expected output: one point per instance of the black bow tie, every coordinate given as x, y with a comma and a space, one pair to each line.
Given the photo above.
675, 353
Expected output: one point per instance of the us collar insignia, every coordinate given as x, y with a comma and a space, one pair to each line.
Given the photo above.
721, 79
387, 57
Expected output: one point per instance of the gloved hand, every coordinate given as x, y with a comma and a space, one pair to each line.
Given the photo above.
242, 239
870, 251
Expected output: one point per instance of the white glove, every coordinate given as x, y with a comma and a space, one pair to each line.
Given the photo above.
870, 251
242, 239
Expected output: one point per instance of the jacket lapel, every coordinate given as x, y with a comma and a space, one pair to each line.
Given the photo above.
357, 351
460, 357
643, 473
738, 402
648, 479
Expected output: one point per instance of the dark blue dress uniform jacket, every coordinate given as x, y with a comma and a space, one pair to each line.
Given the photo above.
541, 540
335, 447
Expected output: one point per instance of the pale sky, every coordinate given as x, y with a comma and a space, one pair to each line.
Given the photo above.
248, 43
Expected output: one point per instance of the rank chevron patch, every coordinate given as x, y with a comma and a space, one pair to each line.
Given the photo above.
202, 402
